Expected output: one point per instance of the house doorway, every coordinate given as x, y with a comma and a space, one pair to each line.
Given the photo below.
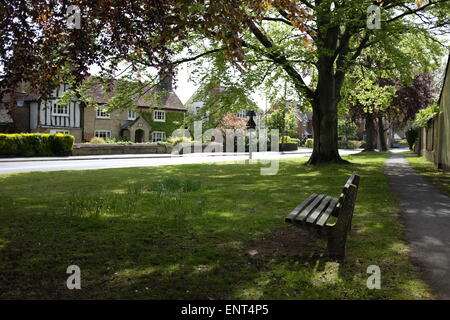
139, 136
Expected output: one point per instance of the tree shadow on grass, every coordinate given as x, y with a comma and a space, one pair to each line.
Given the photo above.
159, 256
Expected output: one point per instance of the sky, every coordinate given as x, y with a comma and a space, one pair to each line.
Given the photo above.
186, 88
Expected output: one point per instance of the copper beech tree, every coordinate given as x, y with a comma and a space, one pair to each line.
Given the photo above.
321, 40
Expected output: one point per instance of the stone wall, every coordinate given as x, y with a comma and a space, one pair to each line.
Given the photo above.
82, 149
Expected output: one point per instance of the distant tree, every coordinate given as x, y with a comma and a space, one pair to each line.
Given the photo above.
409, 99
283, 118
231, 121
346, 128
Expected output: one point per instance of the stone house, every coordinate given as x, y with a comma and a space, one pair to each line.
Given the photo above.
148, 121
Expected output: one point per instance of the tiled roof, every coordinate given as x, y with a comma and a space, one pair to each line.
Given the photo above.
168, 100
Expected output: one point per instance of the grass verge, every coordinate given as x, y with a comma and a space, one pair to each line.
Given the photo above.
209, 231
438, 177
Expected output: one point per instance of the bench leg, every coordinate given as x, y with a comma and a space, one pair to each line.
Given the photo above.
337, 236
336, 244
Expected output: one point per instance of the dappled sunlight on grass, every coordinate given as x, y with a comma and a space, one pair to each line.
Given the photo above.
196, 232
329, 275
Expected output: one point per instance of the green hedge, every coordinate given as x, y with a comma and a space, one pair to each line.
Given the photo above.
350, 144
35, 144
309, 143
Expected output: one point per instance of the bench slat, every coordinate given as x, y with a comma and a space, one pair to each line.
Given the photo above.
323, 205
291, 216
324, 217
304, 214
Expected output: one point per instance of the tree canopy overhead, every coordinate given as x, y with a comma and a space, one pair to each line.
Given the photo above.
313, 44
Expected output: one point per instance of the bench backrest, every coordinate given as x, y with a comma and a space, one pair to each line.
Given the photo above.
352, 181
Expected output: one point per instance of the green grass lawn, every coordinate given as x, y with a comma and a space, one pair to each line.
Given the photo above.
210, 231
438, 177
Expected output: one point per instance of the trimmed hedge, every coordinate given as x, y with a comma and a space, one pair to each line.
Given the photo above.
36, 144
350, 144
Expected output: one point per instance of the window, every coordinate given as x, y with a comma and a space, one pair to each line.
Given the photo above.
62, 111
131, 115
159, 116
242, 114
158, 136
60, 131
101, 113
104, 134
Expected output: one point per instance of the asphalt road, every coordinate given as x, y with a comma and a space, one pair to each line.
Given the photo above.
129, 161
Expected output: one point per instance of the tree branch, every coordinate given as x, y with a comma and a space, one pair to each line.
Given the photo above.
280, 59
414, 11
197, 56
278, 20
308, 4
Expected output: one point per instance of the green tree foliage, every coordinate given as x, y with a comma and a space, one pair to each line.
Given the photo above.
424, 116
283, 119
312, 43
346, 129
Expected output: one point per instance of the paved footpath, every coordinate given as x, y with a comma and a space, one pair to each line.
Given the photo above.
426, 212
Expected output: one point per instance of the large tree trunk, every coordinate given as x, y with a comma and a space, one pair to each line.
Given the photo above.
325, 127
381, 135
328, 89
370, 128
325, 134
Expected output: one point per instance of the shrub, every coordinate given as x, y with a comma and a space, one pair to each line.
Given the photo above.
346, 129
309, 143
176, 140
96, 140
119, 141
296, 141
350, 144
424, 116
287, 139
411, 136
36, 144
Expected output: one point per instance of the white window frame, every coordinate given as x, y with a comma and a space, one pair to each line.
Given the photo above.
132, 115
60, 131
100, 114
158, 118
57, 110
163, 136
104, 134
241, 114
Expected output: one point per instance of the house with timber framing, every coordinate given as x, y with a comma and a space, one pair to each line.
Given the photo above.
147, 122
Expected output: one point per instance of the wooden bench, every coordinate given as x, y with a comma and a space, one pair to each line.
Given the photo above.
314, 214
